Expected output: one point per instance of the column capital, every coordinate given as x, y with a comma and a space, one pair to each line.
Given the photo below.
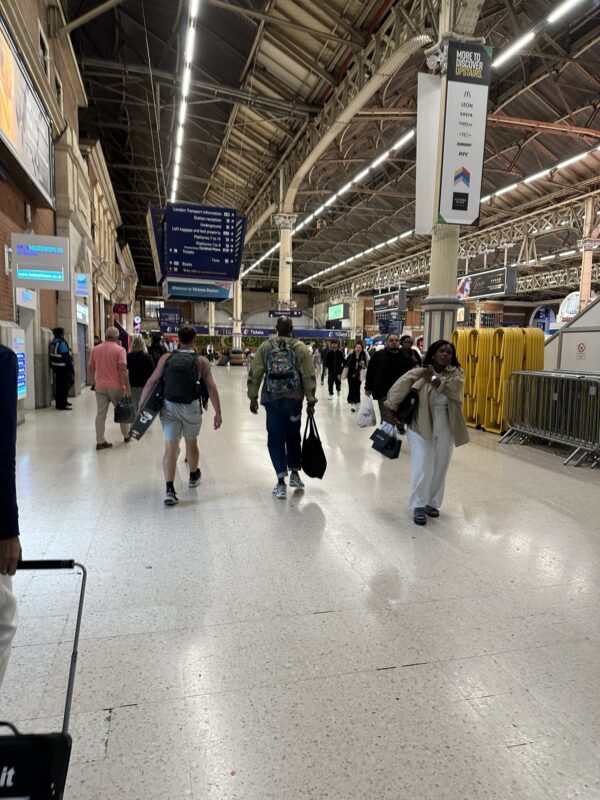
285, 221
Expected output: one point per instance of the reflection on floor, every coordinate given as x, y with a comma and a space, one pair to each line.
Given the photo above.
323, 647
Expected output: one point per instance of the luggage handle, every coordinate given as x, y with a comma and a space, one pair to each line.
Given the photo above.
53, 564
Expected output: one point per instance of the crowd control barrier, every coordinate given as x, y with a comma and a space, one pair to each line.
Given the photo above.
558, 407
488, 357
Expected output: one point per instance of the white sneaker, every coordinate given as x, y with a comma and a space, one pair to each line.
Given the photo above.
279, 491
296, 481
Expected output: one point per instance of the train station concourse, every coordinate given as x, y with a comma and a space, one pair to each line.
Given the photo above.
300, 399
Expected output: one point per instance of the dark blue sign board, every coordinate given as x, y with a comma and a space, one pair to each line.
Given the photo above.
196, 290
203, 242
390, 326
169, 320
300, 333
293, 313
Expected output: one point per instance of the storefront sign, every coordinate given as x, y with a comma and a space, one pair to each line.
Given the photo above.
18, 345
26, 298
82, 288
468, 80
24, 126
41, 262
169, 319
203, 242
492, 283
213, 291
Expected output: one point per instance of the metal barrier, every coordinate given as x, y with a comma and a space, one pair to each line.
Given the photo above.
560, 407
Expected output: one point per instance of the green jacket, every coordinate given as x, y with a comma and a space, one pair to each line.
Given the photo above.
304, 363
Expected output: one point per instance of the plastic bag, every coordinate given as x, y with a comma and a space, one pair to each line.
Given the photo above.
366, 413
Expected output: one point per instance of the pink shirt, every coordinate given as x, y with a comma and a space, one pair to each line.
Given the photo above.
105, 360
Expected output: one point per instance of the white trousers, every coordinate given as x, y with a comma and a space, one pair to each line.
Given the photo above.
8, 621
429, 462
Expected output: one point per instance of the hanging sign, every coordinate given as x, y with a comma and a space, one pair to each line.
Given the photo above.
199, 291
40, 262
492, 283
292, 313
203, 242
169, 319
339, 311
467, 86
82, 288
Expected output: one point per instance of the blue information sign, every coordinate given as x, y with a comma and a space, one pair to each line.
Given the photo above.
203, 241
197, 290
294, 312
300, 333
169, 320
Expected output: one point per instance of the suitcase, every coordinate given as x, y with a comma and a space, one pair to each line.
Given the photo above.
34, 766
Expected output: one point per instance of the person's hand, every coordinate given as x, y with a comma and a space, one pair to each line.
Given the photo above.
254, 406
368, 392
428, 374
339, 377
218, 421
310, 409
127, 391
10, 555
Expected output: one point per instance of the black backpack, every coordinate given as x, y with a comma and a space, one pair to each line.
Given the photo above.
181, 378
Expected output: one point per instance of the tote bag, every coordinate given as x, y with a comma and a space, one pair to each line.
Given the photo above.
314, 462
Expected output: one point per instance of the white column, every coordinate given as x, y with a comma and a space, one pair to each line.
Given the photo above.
212, 314
285, 223
588, 244
237, 315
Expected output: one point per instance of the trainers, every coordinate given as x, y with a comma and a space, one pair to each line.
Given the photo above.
296, 481
279, 491
194, 479
171, 498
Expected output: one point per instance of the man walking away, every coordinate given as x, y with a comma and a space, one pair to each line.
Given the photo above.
61, 364
107, 371
384, 369
289, 375
10, 547
324, 353
157, 348
334, 364
181, 373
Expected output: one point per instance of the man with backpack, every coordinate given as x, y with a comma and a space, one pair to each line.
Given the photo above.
287, 367
182, 373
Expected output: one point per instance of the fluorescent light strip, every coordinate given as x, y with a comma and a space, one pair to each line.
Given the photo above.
189, 44
563, 9
507, 54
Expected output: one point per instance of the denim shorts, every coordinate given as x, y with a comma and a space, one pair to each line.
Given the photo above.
181, 420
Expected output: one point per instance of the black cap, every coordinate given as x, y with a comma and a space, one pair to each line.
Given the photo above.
58, 331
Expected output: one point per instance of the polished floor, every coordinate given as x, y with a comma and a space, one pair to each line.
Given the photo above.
241, 647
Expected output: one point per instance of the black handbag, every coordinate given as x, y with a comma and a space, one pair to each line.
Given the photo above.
386, 443
314, 462
408, 407
124, 411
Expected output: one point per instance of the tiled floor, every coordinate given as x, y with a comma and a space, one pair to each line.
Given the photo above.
324, 647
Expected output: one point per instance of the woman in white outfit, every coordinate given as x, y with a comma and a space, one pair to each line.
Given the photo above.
437, 426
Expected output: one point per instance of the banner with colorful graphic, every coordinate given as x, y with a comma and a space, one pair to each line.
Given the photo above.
467, 86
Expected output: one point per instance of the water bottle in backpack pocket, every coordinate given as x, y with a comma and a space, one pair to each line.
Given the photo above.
283, 377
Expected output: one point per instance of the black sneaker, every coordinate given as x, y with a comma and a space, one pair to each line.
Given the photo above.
171, 498
194, 479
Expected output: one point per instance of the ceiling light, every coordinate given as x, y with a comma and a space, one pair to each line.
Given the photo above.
189, 44
537, 176
562, 9
546, 258
567, 253
361, 175
187, 79
403, 140
506, 189
194, 8
173, 197
331, 200
572, 160
406, 234
176, 172
182, 112
383, 157
319, 210
179, 140
348, 186
486, 199
178, 156
514, 48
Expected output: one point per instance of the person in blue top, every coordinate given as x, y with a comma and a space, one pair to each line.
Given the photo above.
61, 363
10, 547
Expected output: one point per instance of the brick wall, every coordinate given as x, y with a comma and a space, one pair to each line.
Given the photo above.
12, 219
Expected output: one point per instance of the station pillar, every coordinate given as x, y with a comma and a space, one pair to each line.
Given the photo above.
588, 244
237, 315
212, 315
285, 223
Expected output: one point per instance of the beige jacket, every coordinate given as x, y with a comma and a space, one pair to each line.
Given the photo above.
452, 383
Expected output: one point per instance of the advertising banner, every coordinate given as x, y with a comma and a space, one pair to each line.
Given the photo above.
24, 126
169, 320
18, 346
390, 302
492, 283
203, 242
467, 86
195, 290
40, 262
429, 104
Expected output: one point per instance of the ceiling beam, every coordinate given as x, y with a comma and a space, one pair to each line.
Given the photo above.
541, 125
85, 18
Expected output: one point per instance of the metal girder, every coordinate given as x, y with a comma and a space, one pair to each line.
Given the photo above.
496, 238
564, 278
354, 42
227, 94
389, 47
549, 127
85, 18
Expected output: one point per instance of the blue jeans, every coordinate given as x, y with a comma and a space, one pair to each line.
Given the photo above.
284, 418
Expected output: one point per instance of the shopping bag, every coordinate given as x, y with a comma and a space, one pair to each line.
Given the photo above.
314, 462
124, 410
386, 442
345, 373
408, 407
386, 427
366, 413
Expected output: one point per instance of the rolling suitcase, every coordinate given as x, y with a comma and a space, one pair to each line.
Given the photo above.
34, 766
